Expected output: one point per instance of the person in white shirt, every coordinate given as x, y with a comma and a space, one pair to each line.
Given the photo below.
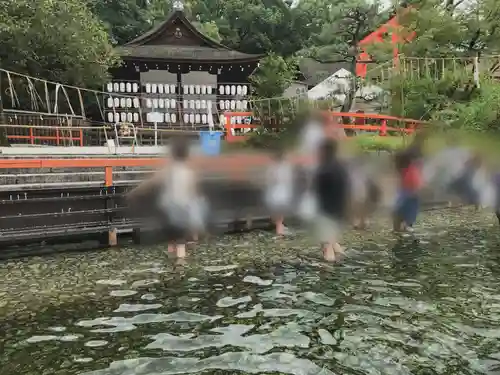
312, 135
182, 208
279, 190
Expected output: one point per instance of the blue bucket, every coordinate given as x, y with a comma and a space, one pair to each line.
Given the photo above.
210, 142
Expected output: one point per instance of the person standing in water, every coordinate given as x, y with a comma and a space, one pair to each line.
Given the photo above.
181, 201
180, 209
409, 170
279, 190
331, 188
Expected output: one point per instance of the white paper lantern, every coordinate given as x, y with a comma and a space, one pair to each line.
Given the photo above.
135, 87
203, 89
244, 104
233, 90
153, 88
110, 116
122, 86
172, 103
167, 103
129, 87
185, 118
172, 91
222, 120
160, 88
136, 117
191, 104
173, 117
238, 104
117, 103
167, 89
197, 104
129, 102
227, 104
129, 117
148, 87
117, 117
149, 103
203, 104
203, 118
110, 102
221, 89
136, 103
167, 117
238, 89
191, 89
116, 87
209, 90
244, 90
155, 103
123, 116
228, 90
221, 104
191, 118
185, 104
197, 118
123, 103
148, 117
110, 87
197, 89
161, 103
185, 89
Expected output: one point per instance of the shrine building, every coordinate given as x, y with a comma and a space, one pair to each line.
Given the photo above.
175, 76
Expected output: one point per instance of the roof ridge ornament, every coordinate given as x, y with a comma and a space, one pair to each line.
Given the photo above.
178, 6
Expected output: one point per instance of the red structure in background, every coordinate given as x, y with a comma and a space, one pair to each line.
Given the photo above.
387, 30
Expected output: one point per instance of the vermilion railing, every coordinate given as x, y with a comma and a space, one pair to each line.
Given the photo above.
57, 134
408, 126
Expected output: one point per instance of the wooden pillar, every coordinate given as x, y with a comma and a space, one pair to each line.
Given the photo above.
110, 204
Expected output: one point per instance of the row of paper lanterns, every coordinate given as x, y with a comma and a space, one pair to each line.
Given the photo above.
123, 117
122, 87
123, 102
159, 88
171, 117
171, 103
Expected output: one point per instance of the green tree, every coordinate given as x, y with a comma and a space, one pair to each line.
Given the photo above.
58, 40
253, 26
339, 28
127, 19
273, 76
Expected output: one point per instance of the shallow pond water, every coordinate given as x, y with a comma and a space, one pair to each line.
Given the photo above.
428, 304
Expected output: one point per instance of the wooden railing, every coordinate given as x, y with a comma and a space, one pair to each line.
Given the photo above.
383, 126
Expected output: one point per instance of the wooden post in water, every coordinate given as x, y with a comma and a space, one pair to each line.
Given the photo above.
110, 204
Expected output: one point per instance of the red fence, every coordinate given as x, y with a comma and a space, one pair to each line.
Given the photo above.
383, 123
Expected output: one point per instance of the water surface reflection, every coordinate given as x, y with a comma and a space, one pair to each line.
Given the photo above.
425, 306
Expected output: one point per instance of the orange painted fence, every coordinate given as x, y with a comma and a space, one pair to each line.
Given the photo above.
236, 165
32, 134
335, 120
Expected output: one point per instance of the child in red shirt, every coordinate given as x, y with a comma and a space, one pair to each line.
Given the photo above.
410, 173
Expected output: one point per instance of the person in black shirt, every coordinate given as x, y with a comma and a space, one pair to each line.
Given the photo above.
331, 187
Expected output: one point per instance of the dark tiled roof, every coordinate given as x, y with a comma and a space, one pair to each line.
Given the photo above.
207, 50
186, 53
315, 71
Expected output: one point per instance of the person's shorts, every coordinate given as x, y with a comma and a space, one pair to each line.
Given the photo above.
407, 206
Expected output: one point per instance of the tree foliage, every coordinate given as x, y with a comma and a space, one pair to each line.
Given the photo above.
57, 40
